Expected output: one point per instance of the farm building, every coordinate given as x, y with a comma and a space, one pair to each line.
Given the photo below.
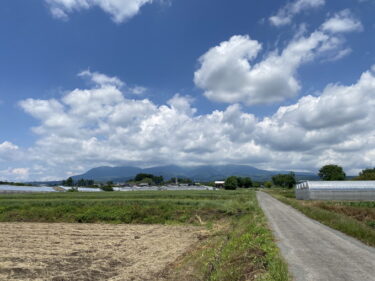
219, 184
336, 190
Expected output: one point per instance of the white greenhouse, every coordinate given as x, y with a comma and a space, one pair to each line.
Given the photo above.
336, 190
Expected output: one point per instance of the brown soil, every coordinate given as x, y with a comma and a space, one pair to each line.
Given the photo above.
90, 252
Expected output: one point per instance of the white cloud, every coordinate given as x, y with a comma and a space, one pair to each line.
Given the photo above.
8, 151
14, 174
7, 146
227, 75
101, 79
22, 172
100, 126
138, 90
120, 10
285, 15
342, 21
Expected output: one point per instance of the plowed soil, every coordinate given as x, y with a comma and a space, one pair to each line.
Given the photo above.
89, 252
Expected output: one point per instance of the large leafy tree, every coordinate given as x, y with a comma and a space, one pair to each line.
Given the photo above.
231, 183
332, 173
284, 180
244, 182
68, 182
142, 176
366, 174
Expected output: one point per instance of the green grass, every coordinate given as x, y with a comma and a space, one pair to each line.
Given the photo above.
242, 249
122, 207
355, 219
239, 245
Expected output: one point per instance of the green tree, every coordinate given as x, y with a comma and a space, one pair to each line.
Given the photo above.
141, 176
268, 184
107, 188
284, 180
366, 174
247, 182
69, 182
90, 183
81, 182
332, 173
231, 183
158, 180
244, 182
240, 181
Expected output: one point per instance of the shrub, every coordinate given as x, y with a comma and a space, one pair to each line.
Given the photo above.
107, 188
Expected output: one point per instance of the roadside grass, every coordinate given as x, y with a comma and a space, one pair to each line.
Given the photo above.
241, 248
238, 244
356, 219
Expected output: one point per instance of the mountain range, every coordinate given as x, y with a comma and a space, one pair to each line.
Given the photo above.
196, 173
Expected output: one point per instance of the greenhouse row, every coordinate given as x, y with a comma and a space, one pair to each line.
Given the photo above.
336, 190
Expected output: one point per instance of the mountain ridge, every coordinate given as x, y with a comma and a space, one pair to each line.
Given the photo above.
196, 173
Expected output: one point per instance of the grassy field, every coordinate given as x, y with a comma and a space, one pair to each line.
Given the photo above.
356, 219
238, 244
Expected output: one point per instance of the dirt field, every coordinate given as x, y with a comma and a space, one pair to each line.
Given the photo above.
37, 251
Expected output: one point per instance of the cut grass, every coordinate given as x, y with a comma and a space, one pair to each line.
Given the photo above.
355, 219
239, 245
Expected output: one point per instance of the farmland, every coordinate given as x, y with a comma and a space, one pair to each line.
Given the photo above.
42, 251
221, 235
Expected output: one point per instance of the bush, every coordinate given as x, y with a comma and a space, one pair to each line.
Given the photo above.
107, 188
268, 184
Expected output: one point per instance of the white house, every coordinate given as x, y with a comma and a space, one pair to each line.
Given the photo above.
219, 184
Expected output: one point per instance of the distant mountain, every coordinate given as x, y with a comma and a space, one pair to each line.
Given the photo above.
109, 173
196, 173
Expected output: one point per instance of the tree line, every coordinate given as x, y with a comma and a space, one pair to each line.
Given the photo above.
329, 172
81, 182
333, 172
234, 182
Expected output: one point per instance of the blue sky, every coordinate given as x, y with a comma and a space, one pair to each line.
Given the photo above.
196, 82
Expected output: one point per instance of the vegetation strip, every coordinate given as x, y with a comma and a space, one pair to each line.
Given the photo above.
355, 219
238, 244
242, 248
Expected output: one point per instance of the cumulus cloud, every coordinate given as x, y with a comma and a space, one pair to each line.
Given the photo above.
120, 10
7, 146
14, 174
102, 126
342, 21
285, 15
338, 115
8, 151
227, 75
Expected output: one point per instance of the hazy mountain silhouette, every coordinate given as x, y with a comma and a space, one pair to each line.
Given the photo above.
196, 173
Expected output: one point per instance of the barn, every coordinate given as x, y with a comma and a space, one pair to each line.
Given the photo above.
336, 190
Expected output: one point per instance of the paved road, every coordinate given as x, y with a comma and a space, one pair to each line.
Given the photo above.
316, 252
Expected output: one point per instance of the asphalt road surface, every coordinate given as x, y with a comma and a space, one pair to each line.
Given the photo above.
316, 252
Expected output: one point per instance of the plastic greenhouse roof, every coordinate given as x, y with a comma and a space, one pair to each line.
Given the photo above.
344, 185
